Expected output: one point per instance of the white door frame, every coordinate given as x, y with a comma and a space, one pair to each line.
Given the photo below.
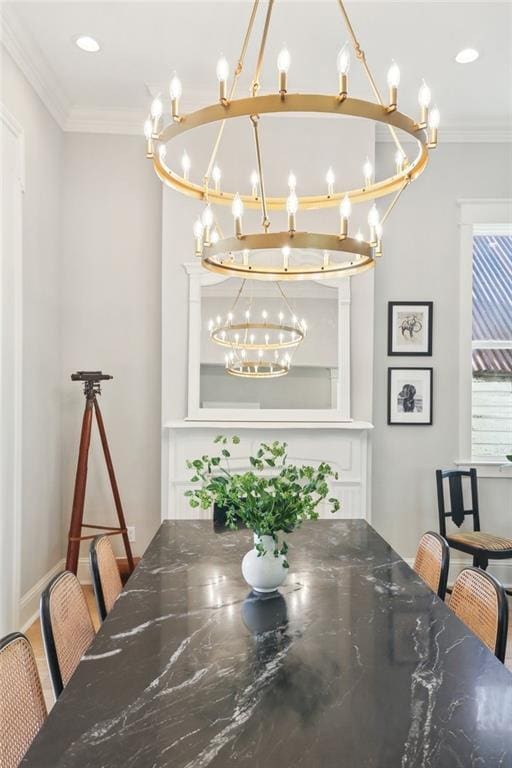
9, 122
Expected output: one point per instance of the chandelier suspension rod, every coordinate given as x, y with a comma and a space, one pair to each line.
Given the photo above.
265, 221
233, 306
290, 308
360, 54
395, 200
256, 79
237, 73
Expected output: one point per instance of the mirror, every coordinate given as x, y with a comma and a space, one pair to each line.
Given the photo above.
316, 386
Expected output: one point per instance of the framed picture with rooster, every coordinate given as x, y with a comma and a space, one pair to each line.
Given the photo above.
410, 328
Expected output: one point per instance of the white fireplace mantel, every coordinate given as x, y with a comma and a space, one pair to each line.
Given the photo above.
345, 445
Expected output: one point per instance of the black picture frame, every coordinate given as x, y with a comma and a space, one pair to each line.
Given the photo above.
394, 419
396, 352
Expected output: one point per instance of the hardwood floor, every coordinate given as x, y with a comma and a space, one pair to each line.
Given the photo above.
34, 635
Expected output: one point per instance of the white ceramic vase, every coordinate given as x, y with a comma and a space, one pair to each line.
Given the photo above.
264, 573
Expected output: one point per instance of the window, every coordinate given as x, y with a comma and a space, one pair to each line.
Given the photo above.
491, 417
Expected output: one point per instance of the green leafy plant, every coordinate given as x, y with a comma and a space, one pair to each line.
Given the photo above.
273, 497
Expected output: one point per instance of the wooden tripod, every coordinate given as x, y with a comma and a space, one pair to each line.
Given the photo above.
91, 390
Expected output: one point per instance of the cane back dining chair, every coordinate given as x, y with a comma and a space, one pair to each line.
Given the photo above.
22, 706
481, 546
105, 574
66, 627
480, 601
432, 562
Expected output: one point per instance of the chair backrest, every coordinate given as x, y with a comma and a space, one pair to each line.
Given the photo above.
66, 626
105, 574
22, 707
433, 561
457, 511
480, 601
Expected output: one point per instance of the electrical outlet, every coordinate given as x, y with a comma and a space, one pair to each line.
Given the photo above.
131, 533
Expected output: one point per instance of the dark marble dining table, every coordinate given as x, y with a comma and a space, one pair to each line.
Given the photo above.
353, 663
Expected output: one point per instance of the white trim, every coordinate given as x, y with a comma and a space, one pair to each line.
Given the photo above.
213, 424
29, 603
15, 128
199, 277
473, 214
125, 122
27, 55
496, 468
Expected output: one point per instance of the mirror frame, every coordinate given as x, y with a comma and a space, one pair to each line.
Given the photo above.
200, 277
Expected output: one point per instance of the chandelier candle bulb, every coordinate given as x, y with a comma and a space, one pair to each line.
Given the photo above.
148, 135
292, 181
254, 184
292, 206
373, 221
216, 176
207, 221
156, 113
245, 258
222, 77
434, 119
345, 211
214, 237
237, 209
393, 83
326, 259
378, 234
424, 99
185, 164
198, 235
175, 91
283, 65
285, 250
330, 179
343, 66
368, 173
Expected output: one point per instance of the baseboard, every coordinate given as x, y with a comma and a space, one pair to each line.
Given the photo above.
502, 570
29, 603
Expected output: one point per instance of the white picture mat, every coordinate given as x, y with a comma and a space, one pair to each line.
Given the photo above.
421, 380
416, 340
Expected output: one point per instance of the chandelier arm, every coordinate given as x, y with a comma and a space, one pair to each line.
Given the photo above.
395, 200
259, 63
238, 72
265, 220
360, 54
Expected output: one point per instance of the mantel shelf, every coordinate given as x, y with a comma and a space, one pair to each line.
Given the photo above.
225, 424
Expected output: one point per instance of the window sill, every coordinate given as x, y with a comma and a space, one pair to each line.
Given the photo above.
488, 467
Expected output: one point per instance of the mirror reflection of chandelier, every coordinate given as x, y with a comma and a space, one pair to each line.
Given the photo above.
267, 255
258, 343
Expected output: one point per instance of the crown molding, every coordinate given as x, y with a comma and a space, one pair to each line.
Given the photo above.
128, 122
468, 134
27, 55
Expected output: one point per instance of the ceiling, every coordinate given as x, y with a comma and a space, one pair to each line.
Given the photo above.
142, 42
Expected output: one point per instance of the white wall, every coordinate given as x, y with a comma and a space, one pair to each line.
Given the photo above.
41, 531
111, 320
421, 262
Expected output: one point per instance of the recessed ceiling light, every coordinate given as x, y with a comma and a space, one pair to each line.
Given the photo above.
87, 43
467, 56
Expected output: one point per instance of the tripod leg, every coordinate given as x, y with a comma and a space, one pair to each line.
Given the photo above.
113, 483
77, 514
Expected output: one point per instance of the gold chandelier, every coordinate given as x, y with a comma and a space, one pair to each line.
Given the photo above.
275, 255
257, 343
